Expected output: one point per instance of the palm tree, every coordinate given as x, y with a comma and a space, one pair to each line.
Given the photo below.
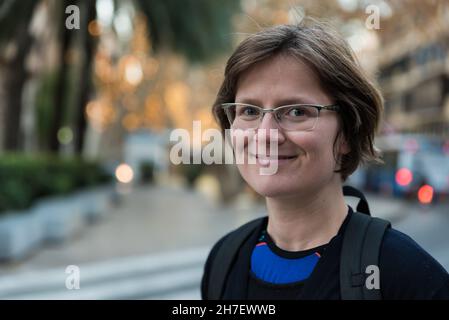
197, 29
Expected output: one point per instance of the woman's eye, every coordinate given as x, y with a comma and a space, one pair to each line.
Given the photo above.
296, 112
248, 111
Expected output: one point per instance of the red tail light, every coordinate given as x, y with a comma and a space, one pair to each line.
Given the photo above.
404, 177
425, 194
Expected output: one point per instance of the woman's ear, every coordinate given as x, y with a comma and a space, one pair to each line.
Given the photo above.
344, 147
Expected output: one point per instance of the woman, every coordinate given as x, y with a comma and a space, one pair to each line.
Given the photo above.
303, 85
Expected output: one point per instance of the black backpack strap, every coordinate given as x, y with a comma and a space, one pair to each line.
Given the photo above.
361, 247
362, 206
225, 256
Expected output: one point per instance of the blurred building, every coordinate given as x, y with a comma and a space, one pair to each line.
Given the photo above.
142, 147
414, 69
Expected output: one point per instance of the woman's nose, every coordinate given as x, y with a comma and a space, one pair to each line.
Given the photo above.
269, 130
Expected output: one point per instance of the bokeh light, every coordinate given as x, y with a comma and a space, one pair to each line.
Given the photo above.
124, 173
404, 177
425, 194
65, 135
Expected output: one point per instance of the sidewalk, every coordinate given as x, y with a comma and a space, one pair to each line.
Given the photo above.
149, 220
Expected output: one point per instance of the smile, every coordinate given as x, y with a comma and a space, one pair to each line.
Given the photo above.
266, 160
279, 157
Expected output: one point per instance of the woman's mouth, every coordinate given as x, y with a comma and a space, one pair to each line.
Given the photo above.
266, 160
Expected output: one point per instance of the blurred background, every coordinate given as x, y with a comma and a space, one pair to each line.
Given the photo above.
90, 205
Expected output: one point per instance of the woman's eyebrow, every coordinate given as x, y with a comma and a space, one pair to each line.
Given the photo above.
281, 102
249, 101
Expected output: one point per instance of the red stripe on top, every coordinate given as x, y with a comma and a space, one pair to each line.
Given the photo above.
261, 244
319, 256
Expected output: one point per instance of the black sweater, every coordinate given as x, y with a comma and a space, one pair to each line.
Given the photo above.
406, 271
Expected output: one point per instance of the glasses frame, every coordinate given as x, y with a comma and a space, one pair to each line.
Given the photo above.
319, 107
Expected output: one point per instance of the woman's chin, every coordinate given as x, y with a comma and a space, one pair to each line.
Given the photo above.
273, 190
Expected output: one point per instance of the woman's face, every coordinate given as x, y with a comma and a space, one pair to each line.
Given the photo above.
279, 81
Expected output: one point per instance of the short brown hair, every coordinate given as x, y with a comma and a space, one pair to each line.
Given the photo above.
339, 73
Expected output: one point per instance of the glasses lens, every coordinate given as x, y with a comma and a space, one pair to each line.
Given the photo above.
230, 113
298, 118
243, 116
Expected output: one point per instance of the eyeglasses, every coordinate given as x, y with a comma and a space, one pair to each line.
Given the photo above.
294, 117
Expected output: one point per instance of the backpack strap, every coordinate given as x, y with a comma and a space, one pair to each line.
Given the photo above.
361, 247
225, 257
362, 206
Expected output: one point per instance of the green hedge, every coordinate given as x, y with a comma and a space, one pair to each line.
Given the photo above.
23, 179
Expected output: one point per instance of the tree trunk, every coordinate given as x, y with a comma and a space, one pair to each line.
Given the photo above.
15, 78
60, 89
85, 80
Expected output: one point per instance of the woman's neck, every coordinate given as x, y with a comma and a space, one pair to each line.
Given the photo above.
301, 223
